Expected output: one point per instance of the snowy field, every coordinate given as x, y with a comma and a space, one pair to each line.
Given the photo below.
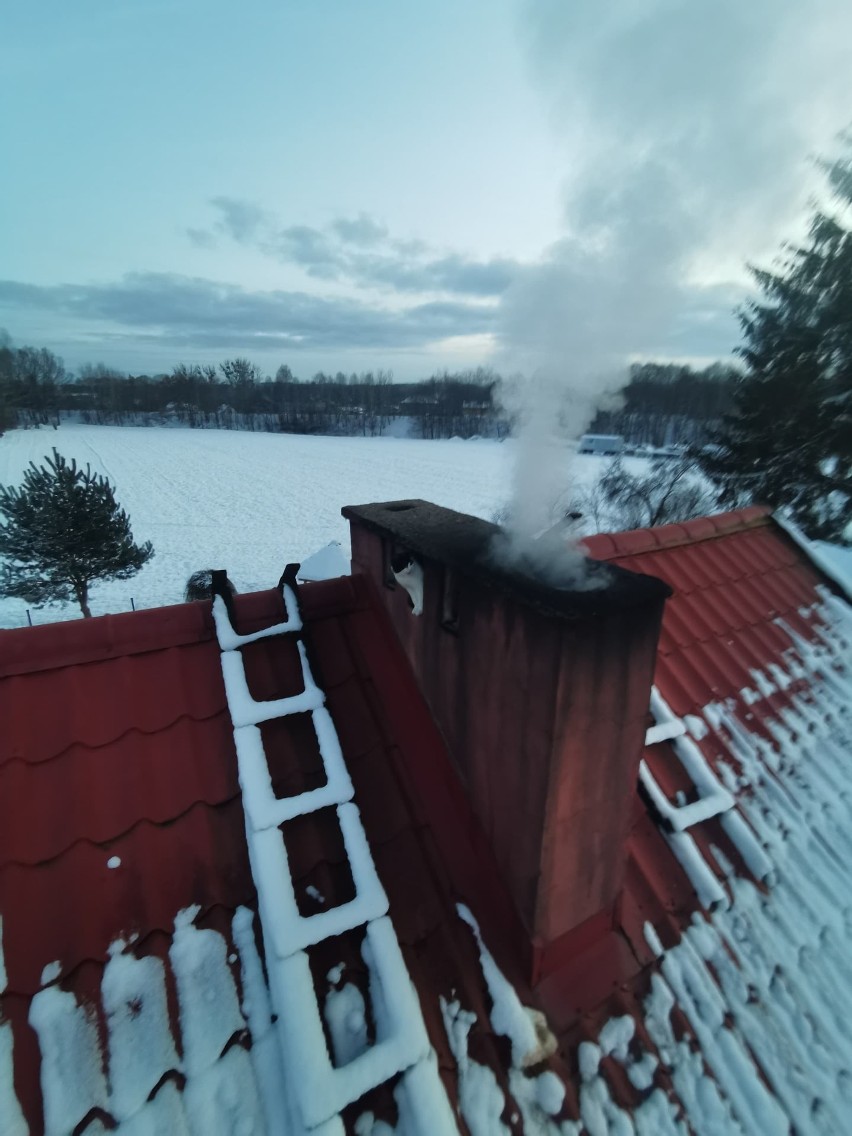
250, 503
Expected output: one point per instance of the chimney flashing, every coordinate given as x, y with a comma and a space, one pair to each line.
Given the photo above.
465, 545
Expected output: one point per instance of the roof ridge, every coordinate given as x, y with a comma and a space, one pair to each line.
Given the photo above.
74, 642
66, 643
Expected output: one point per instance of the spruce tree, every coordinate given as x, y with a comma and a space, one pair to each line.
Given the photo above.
788, 441
62, 530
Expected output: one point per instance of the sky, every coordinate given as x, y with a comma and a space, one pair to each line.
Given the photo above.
523, 184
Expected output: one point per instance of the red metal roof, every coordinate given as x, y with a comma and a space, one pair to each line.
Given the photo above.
734, 577
135, 760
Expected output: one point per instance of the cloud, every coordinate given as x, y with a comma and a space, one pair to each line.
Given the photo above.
189, 311
201, 238
240, 220
360, 251
360, 230
307, 247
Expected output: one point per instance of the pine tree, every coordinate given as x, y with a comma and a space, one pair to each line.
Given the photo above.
788, 442
63, 530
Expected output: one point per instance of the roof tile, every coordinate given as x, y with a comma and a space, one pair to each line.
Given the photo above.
130, 780
71, 908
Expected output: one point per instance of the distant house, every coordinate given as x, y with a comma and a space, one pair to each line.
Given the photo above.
532, 861
416, 400
601, 444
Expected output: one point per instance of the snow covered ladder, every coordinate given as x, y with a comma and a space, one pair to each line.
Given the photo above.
714, 800
402, 1043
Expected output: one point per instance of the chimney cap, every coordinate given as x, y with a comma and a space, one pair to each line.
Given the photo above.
467, 545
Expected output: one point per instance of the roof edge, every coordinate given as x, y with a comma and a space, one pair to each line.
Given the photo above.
818, 558
49, 646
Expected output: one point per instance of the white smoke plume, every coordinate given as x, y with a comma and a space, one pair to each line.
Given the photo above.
690, 129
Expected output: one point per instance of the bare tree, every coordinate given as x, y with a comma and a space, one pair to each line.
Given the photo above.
669, 492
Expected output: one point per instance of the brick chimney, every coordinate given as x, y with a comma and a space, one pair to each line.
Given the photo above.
542, 696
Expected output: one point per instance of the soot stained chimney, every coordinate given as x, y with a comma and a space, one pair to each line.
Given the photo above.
541, 693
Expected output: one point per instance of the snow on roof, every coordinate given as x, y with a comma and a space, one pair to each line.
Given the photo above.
149, 995
137, 763
751, 784
327, 563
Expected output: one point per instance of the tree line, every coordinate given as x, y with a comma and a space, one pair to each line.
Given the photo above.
659, 403
663, 404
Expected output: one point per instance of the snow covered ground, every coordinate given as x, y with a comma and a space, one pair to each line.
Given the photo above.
252, 502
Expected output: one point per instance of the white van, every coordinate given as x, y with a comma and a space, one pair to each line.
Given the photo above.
601, 444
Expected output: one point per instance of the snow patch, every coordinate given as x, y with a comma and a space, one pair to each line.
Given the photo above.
696, 726
141, 1048
327, 564
266, 1055
12, 1121
616, 1035
549, 1092
345, 1015
480, 1097
50, 973
411, 578
72, 1075
204, 982
525, 1028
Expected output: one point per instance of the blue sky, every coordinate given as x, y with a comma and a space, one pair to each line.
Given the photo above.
351, 186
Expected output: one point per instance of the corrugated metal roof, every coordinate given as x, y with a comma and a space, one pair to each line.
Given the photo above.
135, 766
754, 663
135, 762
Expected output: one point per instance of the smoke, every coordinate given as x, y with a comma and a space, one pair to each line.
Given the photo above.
534, 540
690, 129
